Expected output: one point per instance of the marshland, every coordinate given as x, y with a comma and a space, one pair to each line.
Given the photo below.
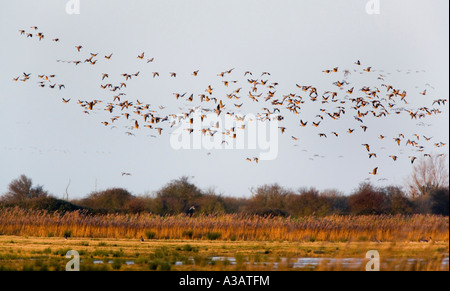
114, 230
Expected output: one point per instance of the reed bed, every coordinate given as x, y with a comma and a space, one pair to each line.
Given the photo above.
37, 223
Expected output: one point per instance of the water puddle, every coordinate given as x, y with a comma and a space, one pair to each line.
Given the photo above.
312, 263
297, 263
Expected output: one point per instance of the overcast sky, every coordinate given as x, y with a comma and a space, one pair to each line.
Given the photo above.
53, 142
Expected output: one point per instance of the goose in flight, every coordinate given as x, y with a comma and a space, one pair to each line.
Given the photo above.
439, 101
367, 147
374, 172
371, 98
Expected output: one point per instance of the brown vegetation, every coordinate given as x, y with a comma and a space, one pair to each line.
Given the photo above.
15, 221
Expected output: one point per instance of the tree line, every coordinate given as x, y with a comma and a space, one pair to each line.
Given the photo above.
178, 196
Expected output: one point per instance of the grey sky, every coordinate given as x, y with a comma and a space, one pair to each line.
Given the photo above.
295, 41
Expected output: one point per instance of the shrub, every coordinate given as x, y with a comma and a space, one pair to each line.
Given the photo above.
188, 234
159, 265
272, 213
117, 264
150, 234
440, 202
308, 202
188, 248
213, 235
111, 200
398, 202
367, 200
268, 197
177, 197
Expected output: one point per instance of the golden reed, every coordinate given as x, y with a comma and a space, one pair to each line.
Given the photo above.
15, 221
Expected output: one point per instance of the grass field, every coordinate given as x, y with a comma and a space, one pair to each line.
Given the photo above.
35, 240
48, 254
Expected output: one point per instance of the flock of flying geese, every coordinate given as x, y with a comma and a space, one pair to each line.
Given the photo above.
361, 104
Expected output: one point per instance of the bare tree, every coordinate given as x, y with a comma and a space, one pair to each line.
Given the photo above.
429, 173
22, 189
67, 189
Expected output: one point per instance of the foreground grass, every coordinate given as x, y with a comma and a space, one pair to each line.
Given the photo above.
48, 254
